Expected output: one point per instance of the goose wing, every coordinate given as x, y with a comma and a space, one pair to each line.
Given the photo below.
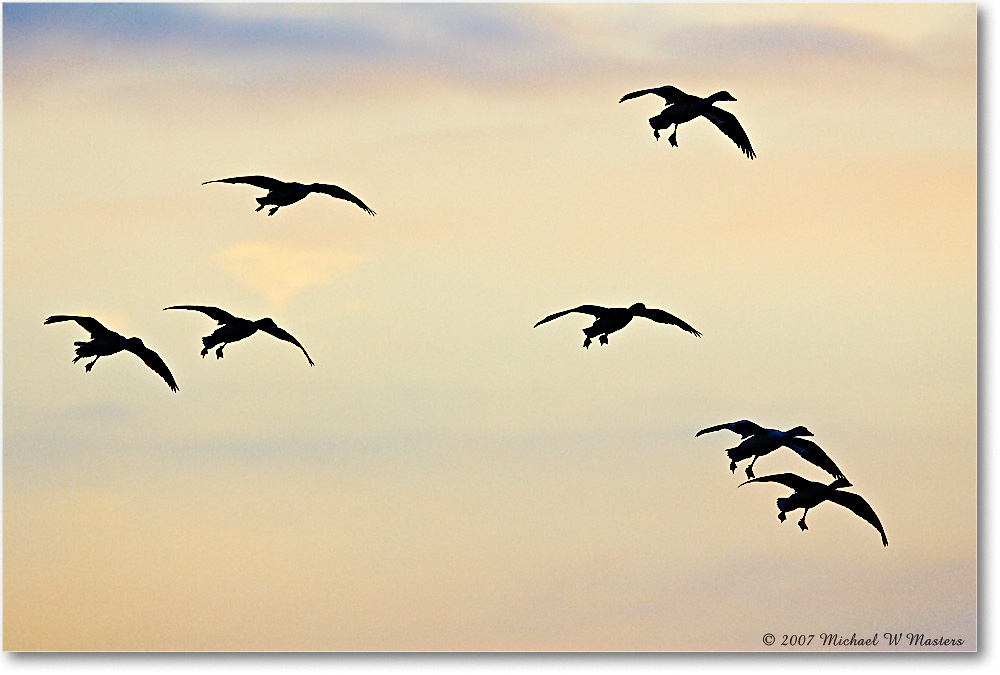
220, 315
811, 452
660, 316
340, 193
861, 508
797, 483
287, 337
595, 310
668, 93
153, 360
256, 181
89, 324
730, 126
744, 428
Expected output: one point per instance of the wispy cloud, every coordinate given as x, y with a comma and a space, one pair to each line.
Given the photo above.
279, 271
254, 44
153, 26
778, 45
452, 37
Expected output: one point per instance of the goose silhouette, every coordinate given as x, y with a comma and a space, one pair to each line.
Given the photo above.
611, 319
683, 108
808, 494
281, 193
233, 329
758, 441
105, 342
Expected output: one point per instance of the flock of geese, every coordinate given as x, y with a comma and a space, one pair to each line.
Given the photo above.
757, 441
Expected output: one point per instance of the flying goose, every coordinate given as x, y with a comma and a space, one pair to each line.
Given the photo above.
281, 193
683, 107
758, 441
809, 494
610, 319
105, 342
233, 329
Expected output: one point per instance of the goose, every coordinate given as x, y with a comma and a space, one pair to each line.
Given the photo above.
611, 319
233, 328
105, 342
758, 441
809, 494
281, 193
683, 107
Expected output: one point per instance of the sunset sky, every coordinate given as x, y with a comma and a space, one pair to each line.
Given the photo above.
448, 477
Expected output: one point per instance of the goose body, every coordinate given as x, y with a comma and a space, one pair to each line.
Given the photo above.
105, 342
809, 494
682, 107
758, 441
233, 329
280, 193
611, 319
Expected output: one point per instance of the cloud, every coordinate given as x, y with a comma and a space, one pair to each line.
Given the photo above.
159, 25
279, 271
776, 44
451, 37
263, 45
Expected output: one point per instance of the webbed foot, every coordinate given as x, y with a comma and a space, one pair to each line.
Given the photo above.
781, 516
750, 472
90, 365
732, 467
271, 212
586, 343
258, 208
603, 339
802, 524
218, 353
656, 134
673, 138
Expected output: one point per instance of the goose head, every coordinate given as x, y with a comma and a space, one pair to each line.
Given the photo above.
722, 96
637, 307
840, 483
799, 431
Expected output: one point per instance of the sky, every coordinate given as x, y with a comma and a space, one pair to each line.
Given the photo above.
448, 477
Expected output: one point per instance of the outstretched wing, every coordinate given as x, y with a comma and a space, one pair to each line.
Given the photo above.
660, 316
220, 315
339, 193
668, 93
744, 428
153, 360
797, 483
813, 453
595, 310
287, 337
89, 324
860, 507
730, 126
256, 181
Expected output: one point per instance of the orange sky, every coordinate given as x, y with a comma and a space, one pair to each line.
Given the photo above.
447, 477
